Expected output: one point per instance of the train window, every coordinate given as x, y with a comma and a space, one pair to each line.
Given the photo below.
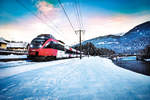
60, 47
50, 45
37, 43
54, 45
69, 51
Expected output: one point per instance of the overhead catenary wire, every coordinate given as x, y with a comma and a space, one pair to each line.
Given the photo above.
79, 16
37, 16
45, 16
55, 26
60, 3
76, 15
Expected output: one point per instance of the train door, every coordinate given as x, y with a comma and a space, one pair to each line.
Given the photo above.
60, 50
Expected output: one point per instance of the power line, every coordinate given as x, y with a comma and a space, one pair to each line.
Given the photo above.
66, 14
36, 16
54, 26
51, 22
79, 15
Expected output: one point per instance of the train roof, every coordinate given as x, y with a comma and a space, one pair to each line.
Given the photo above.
46, 36
61, 41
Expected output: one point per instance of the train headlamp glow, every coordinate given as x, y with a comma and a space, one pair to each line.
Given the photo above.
31, 46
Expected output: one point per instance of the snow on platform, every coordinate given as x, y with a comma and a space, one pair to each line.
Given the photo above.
91, 78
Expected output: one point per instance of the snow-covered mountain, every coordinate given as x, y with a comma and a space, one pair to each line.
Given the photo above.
132, 41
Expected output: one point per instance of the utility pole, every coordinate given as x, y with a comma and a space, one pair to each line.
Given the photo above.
88, 48
80, 33
80, 44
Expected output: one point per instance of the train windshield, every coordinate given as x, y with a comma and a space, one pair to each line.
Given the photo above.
37, 43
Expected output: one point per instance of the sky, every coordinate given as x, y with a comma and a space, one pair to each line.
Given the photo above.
23, 20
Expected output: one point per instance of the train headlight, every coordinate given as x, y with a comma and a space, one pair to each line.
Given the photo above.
31, 46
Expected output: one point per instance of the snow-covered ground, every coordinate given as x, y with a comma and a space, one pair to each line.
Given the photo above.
10, 71
15, 63
93, 78
12, 56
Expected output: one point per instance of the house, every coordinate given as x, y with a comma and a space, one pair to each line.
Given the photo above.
21, 46
3, 43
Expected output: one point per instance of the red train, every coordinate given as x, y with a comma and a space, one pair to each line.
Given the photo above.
45, 47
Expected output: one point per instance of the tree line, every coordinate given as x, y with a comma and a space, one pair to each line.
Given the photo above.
90, 49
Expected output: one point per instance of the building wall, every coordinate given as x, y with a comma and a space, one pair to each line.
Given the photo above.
3, 45
20, 46
19, 49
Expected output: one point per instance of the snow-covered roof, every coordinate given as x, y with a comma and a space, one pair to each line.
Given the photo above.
17, 45
2, 40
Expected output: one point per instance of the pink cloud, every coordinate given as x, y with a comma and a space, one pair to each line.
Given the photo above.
47, 9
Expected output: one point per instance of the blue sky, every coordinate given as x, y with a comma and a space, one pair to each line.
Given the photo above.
121, 6
11, 10
97, 15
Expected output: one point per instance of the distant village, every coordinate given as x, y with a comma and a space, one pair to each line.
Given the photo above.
12, 47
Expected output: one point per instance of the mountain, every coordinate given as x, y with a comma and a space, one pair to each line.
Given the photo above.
131, 42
